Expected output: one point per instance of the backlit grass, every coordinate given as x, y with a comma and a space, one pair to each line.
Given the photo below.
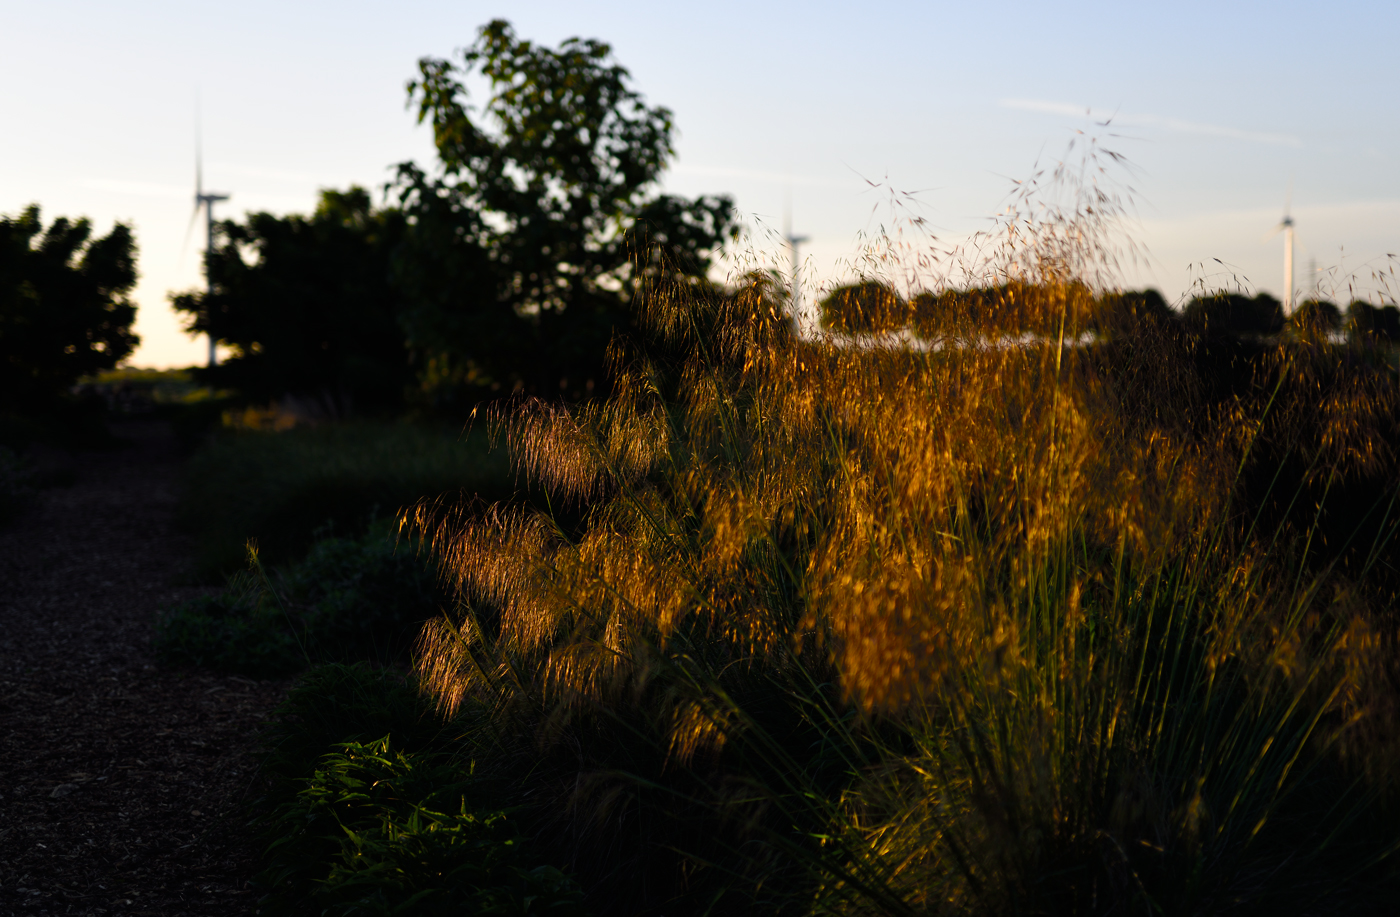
1032, 621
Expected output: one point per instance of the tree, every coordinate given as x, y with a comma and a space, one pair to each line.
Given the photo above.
1234, 314
1317, 315
542, 218
308, 305
64, 307
1379, 322
1124, 312
869, 307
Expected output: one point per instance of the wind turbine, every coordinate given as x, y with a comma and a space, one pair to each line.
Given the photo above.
1286, 227
207, 200
793, 242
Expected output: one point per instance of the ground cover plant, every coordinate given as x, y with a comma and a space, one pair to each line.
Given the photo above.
1079, 624
349, 599
283, 488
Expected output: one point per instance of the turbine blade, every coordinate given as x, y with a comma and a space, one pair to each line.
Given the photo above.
198, 151
189, 230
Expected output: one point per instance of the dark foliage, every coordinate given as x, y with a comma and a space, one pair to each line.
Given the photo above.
281, 489
1124, 313
1378, 322
506, 268
1317, 315
64, 311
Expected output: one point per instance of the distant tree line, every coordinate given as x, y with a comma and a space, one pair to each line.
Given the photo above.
874, 307
506, 267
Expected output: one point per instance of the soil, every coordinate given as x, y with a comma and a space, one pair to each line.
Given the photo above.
120, 781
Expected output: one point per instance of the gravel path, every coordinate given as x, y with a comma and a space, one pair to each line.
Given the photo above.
118, 780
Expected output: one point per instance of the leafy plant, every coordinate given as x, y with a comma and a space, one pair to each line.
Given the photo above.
308, 306
358, 826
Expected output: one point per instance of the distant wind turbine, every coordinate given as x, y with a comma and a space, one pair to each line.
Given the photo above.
1286, 227
793, 242
206, 200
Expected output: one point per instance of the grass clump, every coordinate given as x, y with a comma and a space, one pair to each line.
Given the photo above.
398, 824
282, 488
349, 599
1029, 620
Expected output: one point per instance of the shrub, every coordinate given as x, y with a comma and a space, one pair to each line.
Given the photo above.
1378, 322
349, 599
1235, 314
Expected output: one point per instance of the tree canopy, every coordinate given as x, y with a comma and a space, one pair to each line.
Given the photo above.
542, 216
64, 306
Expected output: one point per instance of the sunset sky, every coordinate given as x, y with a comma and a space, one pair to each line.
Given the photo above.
1217, 108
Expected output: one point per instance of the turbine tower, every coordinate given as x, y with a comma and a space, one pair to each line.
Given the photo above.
793, 242
206, 200
1286, 227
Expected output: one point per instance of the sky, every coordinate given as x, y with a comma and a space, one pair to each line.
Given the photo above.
816, 109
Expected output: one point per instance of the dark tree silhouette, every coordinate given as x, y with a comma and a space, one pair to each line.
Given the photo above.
308, 306
64, 311
1233, 314
541, 219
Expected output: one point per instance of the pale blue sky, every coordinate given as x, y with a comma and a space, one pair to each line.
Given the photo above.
1218, 106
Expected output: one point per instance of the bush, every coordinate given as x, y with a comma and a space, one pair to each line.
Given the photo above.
400, 824
280, 489
349, 599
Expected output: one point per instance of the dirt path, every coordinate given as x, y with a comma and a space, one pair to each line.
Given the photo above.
117, 778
